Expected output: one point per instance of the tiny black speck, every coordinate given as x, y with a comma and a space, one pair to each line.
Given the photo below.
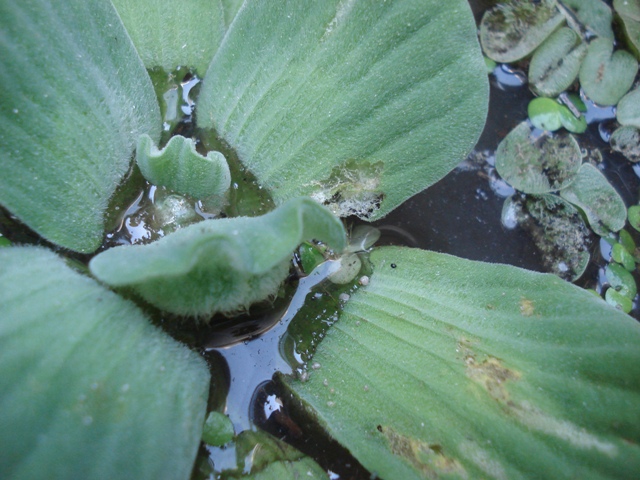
393, 265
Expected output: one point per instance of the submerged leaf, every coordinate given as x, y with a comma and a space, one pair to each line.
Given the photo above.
173, 34
179, 167
353, 103
220, 265
89, 388
444, 367
68, 129
556, 63
592, 192
512, 30
605, 75
540, 163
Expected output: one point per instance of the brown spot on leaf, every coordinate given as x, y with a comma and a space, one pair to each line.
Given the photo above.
492, 375
429, 459
527, 308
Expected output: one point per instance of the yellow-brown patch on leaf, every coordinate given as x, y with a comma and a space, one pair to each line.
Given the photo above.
527, 307
428, 458
492, 375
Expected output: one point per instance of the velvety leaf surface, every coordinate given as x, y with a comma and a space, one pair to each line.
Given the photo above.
179, 167
444, 367
629, 11
605, 75
626, 140
512, 30
88, 387
76, 98
539, 162
596, 15
628, 109
556, 63
592, 192
173, 34
356, 104
222, 264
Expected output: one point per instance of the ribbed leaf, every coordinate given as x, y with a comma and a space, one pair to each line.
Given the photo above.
219, 265
76, 98
88, 387
353, 103
174, 34
444, 367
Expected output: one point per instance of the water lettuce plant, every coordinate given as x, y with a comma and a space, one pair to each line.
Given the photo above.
437, 366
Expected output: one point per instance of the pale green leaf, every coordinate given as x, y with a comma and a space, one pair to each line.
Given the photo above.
605, 75
353, 103
444, 367
629, 12
596, 15
88, 387
592, 192
179, 167
231, 8
76, 98
537, 163
173, 34
217, 429
628, 109
512, 30
556, 63
220, 265
626, 140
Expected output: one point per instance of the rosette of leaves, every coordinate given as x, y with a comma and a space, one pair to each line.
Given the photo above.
353, 103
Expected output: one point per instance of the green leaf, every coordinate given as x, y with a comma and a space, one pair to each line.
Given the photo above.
174, 34
621, 280
88, 387
352, 103
628, 109
605, 75
592, 192
231, 8
571, 122
594, 14
512, 30
556, 63
629, 12
69, 130
537, 164
544, 114
444, 367
627, 241
621, 255
633, 215
179, 167
626, 140
220, 265
617, 300
217, 429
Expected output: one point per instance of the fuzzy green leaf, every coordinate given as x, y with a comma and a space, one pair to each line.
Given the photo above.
605, 75
512, 30
628, 109
352, 103
88, 387
179, 167
174, 34
629, 12
626, 140
69, 130
556, 63
596, 15
540, 163
444, 367
220, 265
592, 192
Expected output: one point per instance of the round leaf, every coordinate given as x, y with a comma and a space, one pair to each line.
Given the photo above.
605, 75
626, 140
537, 164
512, 30
629, 12
431, 373
621, 280
351, 103
633, 214
68, 132
596, 15
544, 114
628, 109
89, 388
